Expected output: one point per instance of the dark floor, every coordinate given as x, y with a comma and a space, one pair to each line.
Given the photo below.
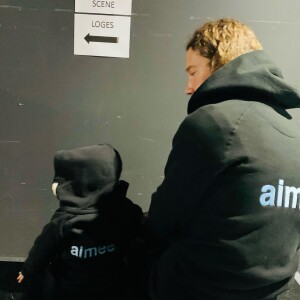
10, 290
9, 296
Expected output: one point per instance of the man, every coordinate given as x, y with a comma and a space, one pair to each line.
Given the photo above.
228, 208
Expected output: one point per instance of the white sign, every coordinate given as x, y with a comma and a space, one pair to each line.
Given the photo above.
99, 35
113, 7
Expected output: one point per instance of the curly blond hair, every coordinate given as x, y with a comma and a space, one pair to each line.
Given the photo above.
222, 41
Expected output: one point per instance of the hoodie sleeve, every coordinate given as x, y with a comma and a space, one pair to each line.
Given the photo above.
43, 251
130, 212
134, 216
191, 167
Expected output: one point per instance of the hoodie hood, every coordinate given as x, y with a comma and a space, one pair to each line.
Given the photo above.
251, 76
86, 175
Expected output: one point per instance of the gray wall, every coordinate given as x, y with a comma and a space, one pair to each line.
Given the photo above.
51, 99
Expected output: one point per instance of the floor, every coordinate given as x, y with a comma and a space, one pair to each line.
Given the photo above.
10, 290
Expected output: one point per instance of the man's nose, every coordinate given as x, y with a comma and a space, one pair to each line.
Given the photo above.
189, 90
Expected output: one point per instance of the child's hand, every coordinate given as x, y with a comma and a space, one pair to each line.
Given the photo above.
20, 278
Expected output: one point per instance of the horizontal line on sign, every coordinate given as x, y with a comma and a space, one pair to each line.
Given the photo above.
93, 14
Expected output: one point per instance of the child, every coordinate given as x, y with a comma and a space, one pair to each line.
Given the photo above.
84, 244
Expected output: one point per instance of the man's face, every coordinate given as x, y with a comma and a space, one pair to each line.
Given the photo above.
198, 70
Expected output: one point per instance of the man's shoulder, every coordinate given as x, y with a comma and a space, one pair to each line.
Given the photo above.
205, 117
224, 109
216, 117
212, 125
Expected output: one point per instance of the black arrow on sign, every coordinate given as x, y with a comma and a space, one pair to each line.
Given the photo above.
101, 39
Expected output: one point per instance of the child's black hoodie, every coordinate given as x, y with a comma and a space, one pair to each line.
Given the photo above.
86, 238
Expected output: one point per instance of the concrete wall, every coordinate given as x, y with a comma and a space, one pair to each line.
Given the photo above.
52, 100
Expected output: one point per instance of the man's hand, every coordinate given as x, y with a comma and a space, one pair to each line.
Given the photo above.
20, 277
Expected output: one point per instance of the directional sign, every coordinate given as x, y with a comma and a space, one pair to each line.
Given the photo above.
100, 35
113, 7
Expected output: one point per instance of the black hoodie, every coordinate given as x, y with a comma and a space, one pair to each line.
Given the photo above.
229, 207
87, 236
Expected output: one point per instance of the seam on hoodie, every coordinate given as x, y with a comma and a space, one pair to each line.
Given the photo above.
233, 131
270, 123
